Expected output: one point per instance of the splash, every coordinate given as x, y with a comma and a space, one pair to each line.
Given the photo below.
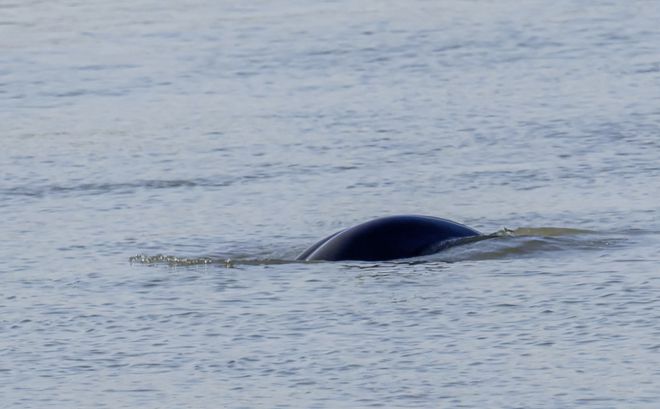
175, 261
542, 231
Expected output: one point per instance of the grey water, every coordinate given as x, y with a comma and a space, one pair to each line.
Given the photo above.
162, 164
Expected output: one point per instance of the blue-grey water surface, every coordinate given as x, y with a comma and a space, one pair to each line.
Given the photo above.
216, 140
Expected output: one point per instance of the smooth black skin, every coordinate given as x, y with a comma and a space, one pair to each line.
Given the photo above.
389, 238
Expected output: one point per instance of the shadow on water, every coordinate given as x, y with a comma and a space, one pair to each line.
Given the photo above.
523, 242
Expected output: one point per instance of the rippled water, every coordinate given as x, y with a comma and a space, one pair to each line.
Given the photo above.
163, 164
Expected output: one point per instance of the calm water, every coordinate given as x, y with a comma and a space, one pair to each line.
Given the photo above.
190, 134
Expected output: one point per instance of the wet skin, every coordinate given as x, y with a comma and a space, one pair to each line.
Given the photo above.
389, 238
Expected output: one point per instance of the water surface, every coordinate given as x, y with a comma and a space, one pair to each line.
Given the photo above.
215, 141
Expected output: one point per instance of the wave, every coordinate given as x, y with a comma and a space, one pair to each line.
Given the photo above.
102, 188
523, 242
529, 242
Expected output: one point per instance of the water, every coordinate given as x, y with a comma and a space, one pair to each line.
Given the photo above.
216, 141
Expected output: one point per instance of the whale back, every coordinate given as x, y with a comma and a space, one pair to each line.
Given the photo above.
388, 238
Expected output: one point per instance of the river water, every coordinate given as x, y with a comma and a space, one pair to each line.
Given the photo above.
164, 162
